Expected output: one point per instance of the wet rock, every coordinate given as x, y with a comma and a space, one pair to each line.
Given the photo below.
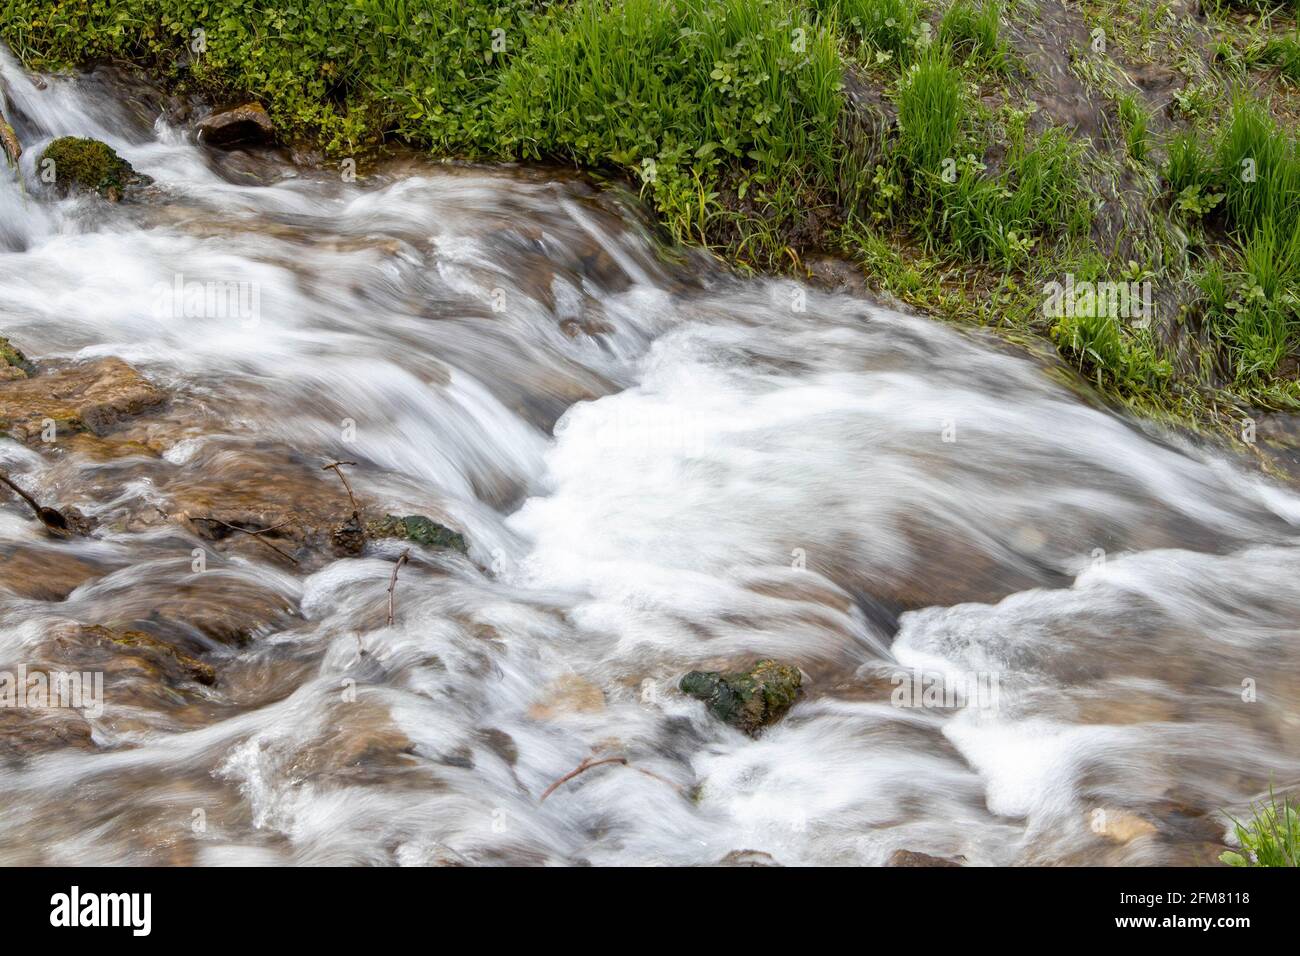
748, 858
13, 363
195, 610
91, 166
247, 125
360, 746
418, 530
835, 275
500, 743
271, 492
43, 573
92, 396
1119, 826
25, 732
913, 858
174, 664
747, 700
349, 538
568, 695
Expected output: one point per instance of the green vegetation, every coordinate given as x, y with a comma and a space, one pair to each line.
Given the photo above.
973, 33
1245, 178
726, 110
917, 137
1134, 121
889, 29
1271, 837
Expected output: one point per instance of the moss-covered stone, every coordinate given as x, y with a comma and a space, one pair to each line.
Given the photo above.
418, 530
13, 363
90, 165
747, 700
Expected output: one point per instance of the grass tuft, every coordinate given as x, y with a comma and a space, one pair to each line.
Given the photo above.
1271, 837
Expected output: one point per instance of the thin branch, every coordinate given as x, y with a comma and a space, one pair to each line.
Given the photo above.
581, 768
54, 520
337, 468
256, 535
21, 494
392, 583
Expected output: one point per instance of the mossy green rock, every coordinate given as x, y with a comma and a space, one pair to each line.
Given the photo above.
418, 530
90, 165
747, 700
12, 358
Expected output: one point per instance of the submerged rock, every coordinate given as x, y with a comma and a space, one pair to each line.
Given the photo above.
747, 700
1119, 826
247, 125
417, 529
566, 696
171, 661
89, 165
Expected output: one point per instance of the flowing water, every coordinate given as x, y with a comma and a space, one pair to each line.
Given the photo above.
658, 466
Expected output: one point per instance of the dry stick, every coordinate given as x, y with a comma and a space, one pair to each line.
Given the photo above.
392, 582
338, 470
256, 535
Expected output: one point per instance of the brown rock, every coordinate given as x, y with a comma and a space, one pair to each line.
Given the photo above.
913, 858
43, 573
91, 396
568, 695
1119, 826
172, 663
247, 125
748, 858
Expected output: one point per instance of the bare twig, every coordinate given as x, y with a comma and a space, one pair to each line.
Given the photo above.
21, 494
337, 468
392, 582
580, 768
593, 762
257, 535
53, 519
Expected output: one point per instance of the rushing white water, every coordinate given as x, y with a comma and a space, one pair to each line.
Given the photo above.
658, 467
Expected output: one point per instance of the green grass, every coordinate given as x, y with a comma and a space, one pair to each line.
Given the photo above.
1134, 121
1246, 176
1280, 53
963, 208
1270, 837
973, 32
931, 100
730, 99
889, 30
